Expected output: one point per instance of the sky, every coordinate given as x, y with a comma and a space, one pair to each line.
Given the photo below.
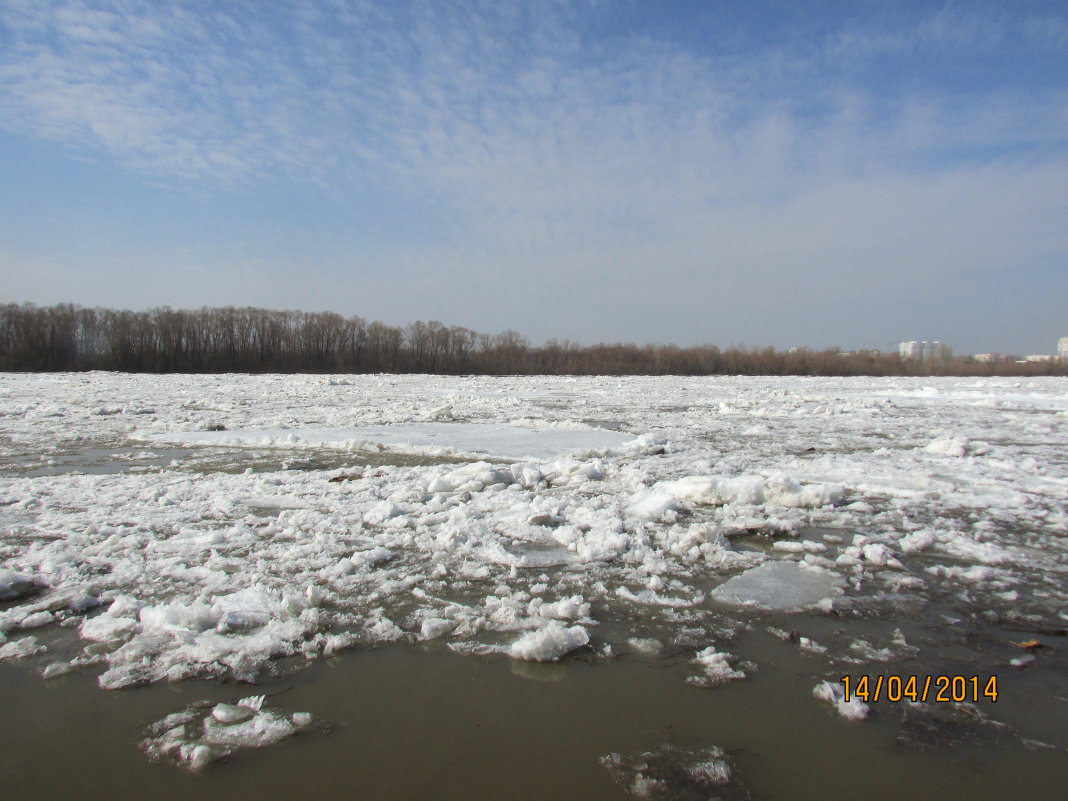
737, 173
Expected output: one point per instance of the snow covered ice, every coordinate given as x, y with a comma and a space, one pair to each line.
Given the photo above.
536, 518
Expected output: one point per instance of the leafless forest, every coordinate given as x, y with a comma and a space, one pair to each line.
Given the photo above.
66, 337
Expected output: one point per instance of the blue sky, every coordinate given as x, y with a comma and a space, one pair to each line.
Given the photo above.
766, 173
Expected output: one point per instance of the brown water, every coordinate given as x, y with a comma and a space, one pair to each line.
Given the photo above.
423, 723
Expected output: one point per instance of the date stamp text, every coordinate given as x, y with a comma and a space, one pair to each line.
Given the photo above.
944, 688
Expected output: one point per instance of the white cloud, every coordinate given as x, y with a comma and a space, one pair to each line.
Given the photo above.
529, 149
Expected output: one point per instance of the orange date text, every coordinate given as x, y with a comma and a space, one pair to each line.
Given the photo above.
938, 688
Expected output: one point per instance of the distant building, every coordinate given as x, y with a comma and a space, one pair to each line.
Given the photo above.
984, 357
1062, 349
1039, 357
923, 351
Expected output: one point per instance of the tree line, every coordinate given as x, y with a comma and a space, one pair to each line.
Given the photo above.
66, 337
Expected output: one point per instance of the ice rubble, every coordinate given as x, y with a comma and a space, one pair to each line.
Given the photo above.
551, 529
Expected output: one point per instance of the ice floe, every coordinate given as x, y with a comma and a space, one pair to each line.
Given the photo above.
538, 442
204, 733
779, 585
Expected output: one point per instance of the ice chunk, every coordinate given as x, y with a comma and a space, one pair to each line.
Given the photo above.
948, 446
876, 553
107, 628
716, 491
262, 728
571, 608
717, 668
834, 694
239, 621
549, 643
239, 711
526, 474
15, 585
649, 646
649, 598
372, 557
232, 713
653, 504
916, 541
779, 585
439, 484
434, 627
442, 412
37, 619
780, 490
20, 649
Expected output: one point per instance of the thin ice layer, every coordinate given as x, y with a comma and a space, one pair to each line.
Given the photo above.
517, 442
779, 585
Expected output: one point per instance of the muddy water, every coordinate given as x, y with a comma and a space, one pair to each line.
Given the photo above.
417, 723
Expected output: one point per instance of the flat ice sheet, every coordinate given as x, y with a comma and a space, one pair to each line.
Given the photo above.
778, 585
508, 441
